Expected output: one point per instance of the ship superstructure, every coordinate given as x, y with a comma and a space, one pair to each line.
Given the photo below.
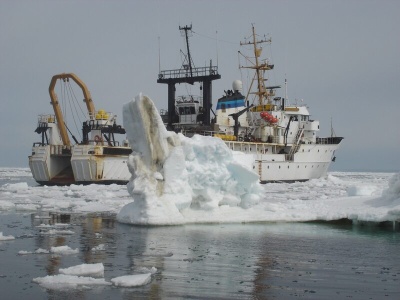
280, 139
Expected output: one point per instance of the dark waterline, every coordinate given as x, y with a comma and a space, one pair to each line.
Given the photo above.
242, 261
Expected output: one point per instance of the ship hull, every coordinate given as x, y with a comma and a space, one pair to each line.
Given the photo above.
311, 161
90, 164
50, 165
85, 165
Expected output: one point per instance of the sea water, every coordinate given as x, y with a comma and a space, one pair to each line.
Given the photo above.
230, 261
269, 260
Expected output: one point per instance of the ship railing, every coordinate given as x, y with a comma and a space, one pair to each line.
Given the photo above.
186, 72
199, 132
57, 150
60, 150
189, 99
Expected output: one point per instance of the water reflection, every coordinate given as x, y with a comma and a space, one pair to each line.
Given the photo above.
235, 261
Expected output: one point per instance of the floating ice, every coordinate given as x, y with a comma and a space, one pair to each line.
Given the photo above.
319, 199
393, 191
15, 187
6, 237
66, 250
100, 247
361, 190
41, 251
132, 280
172, 173
66, 282
57, 232
96, 270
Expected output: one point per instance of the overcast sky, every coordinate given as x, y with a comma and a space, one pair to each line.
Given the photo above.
340, 57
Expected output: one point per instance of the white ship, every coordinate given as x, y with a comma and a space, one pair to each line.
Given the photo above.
98, 158
279, 139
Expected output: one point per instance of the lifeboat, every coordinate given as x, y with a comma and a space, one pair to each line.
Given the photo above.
266, 116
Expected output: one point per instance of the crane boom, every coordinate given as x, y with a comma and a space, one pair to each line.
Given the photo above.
57, 109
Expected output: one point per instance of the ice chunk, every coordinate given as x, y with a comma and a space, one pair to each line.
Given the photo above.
172, 174
96, 270
6, 237
63, 250
132, 280
66, 282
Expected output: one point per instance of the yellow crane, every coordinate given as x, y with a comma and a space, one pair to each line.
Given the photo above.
57, 109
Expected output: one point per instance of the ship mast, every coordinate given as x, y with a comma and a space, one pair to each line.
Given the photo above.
189, 58
262, 91
189, 74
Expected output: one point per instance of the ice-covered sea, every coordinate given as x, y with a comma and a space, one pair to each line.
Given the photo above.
355, 196
335, 237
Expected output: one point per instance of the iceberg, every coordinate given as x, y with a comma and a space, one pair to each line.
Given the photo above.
173, 174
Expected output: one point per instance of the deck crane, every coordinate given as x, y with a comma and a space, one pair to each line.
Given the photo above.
56, 106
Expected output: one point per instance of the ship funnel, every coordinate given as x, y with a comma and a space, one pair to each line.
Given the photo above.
237, 86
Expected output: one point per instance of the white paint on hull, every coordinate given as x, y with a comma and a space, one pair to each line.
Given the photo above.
46, 162
98, 167
311, 161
